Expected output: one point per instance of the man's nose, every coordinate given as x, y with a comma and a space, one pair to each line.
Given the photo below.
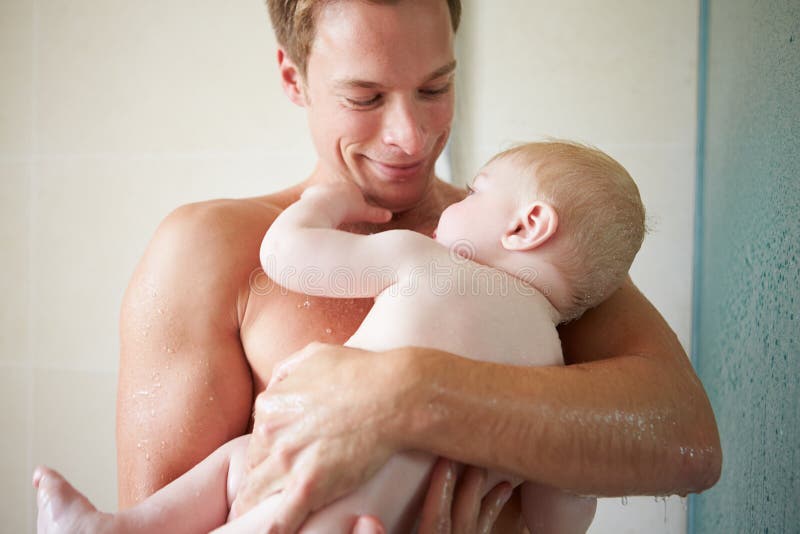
404, 128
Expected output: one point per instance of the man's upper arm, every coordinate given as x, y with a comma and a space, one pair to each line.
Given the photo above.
624, 324
184, 383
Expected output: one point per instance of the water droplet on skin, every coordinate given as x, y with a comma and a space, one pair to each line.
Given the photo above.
163, 444
211, 398
156, 376
160, 311
152, 413
147, 456
328, 331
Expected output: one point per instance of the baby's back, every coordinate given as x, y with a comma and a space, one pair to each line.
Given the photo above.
466, 309
456, 306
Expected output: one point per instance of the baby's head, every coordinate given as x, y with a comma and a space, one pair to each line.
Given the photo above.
566, 211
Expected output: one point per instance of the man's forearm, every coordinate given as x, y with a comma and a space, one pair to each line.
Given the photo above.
606, 428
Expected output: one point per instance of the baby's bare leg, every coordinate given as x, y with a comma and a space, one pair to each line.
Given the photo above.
551, 511
196, 502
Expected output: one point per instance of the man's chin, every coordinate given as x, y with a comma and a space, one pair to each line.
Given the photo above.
398, 198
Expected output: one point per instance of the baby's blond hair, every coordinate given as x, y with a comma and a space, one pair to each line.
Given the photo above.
601, 217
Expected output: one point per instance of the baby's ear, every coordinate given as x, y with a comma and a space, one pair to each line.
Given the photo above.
531, 227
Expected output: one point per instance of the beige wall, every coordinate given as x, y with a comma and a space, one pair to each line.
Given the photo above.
114, 112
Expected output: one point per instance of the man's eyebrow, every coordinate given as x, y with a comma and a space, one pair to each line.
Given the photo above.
442, 71
354, 83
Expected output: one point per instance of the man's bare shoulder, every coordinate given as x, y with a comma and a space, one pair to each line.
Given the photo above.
229, 228
212, 244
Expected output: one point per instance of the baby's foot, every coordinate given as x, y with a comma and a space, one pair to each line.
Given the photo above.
63, 509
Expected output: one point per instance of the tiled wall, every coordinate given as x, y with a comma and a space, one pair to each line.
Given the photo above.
114, 112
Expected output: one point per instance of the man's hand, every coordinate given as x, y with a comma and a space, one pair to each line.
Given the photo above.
315, 441
453, 503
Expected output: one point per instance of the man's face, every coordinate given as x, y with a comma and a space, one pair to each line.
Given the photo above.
379, 94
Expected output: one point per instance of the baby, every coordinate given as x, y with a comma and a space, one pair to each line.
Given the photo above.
547, 231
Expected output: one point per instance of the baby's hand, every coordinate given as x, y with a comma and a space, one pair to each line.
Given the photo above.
347, 200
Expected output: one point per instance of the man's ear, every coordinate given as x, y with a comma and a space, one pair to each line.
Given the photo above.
291, 80
531, 227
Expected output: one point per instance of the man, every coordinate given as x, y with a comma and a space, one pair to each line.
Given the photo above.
201, 335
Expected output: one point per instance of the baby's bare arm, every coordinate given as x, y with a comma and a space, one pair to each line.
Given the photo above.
304, 252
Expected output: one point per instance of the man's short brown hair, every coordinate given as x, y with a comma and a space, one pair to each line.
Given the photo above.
293, 21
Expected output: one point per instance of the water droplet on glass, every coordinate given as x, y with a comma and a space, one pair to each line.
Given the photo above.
625, 501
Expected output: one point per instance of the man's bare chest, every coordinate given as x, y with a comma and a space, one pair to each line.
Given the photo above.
277, 323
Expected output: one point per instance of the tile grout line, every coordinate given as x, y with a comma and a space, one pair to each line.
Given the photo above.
32, 183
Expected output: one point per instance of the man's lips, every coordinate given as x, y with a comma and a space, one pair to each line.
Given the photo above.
397, 170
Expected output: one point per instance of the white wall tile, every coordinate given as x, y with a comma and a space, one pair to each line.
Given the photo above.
163, 77
16, 492
73, 430
619, 71
14, 281
16, 70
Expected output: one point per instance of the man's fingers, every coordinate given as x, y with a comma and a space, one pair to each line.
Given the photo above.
435, 516
263, 437
467, 499
263, 480
492, 505
294, 509
284, 367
